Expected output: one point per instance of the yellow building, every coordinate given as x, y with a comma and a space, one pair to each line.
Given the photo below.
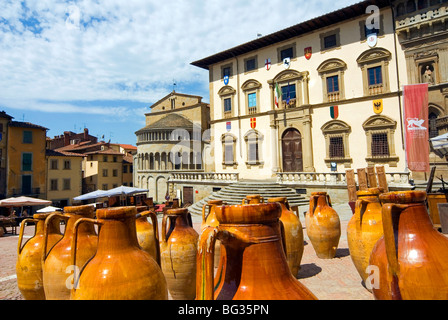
26, 163
103, 169
298, 106
64, 177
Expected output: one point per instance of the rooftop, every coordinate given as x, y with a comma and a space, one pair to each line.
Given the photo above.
353, 11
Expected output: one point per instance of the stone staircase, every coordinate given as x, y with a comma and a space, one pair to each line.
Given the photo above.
235, 193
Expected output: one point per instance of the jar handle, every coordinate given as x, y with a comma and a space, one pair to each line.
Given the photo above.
204, 216
313, 205
329, 200
361, 205
155, 228
164, 226
22, 228
74, 251
244, 201
47, 223
389, 211
205, 264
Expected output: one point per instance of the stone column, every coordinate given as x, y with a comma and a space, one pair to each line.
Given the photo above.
308, 164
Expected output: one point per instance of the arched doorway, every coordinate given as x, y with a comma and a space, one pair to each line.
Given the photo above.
292, 151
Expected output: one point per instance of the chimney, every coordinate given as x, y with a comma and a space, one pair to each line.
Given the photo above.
66, 138
86, 134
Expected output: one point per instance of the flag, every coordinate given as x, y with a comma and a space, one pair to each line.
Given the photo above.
415, 99
278, 94
287, 95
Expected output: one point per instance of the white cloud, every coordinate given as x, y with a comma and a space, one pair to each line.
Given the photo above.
125, 49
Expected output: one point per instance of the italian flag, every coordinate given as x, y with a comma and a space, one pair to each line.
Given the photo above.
278, 93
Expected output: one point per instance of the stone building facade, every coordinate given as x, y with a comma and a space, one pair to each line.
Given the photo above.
173, 140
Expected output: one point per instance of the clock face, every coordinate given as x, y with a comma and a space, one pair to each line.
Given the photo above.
287, 63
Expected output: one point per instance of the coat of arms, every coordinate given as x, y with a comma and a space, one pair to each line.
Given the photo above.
308, 51
267, 63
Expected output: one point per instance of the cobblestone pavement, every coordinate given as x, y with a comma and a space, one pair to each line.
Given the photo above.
328, 279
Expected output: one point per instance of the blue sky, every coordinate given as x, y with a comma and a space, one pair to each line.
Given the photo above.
70, 65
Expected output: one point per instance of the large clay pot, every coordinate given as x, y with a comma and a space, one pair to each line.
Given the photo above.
29, 256
323, 226
412, 256
178, 253
255, 266
293, 231
57, 266
253, 199
120, 269
148, 232
364, 229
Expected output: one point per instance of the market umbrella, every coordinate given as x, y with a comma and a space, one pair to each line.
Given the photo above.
92, 195
49, 209
23, 201
440, 145
124, 190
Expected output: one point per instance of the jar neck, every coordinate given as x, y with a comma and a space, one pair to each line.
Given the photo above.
117, 234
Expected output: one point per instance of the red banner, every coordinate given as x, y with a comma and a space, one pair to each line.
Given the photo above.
416, 126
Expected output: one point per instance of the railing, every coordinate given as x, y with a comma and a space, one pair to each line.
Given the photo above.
394, 179
376, 89
208, 177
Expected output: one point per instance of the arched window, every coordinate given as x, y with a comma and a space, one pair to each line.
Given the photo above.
433, 131
400, 10
410, 6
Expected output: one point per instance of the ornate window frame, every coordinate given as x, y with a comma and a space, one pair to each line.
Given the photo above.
248, 87
337, 128
373, 58
258, 140
381, 124
330, 68
228, 138
291, 76
227, 92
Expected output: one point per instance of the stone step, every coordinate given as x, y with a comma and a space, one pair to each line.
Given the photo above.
235, 193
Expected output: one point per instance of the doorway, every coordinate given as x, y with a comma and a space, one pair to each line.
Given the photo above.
292, 151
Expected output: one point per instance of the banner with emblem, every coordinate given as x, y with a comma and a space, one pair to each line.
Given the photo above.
378, 106
253, 123
415, 99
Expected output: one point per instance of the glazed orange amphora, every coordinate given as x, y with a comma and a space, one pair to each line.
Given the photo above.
293, 235
323, 226
254, 264
148, 232
411, 258
119, 269
57, 267
178, 253
29, 256
364, 229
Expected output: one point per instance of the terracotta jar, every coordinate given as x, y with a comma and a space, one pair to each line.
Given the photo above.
255, 266
29, 256
178, 253
322, 225
364, 229
412, 256
253, 199
293, 235
57, 267
120, 269
148, 232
